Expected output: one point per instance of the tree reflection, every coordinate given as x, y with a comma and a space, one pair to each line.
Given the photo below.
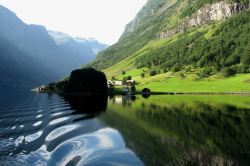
160, 132
92, 105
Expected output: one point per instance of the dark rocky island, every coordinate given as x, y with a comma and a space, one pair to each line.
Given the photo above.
87, 81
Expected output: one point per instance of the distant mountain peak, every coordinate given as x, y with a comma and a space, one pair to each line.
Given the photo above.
83, 40
60, 37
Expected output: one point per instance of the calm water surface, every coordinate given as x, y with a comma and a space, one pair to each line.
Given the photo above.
42, 129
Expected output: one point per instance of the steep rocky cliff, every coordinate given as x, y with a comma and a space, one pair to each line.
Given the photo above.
154, 8
217, 11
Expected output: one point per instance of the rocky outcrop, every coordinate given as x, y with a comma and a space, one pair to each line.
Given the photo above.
158, 7
211, 12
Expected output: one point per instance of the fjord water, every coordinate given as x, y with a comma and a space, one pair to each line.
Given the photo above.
47, 129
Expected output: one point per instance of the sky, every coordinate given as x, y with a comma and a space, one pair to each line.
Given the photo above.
103, 20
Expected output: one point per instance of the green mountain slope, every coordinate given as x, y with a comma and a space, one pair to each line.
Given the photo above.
158, 16
199, 40
137, 34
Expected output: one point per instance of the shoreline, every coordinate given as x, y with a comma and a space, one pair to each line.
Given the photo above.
200, 93
139, 93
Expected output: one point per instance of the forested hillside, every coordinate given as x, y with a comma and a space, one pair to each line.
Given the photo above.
176, 35
218, 46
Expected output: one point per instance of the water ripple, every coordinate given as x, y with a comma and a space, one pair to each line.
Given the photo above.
40, 129
103, 147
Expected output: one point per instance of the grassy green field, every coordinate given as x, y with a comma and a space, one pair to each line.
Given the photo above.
238, 83
173, 82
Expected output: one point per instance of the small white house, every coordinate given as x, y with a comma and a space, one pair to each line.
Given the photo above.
110, 84
118, 83
131, 82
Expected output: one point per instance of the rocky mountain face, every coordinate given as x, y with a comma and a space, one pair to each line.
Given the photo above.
154, 11
217, 11
153, 8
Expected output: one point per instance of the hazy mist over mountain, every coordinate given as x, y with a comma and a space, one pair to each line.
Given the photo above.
87, 43
29, 56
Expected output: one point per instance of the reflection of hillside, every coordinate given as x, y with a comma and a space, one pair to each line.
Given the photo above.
224, 127
147, 147
161, 133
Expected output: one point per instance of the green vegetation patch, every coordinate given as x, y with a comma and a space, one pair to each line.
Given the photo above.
233, 84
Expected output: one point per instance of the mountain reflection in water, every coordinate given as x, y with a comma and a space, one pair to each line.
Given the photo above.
41, 129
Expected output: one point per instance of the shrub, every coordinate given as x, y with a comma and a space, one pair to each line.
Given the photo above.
243, 69
176, 68
182, 76
165, 70
246, 59
188, 69
205, 72
208, 71
152, 73
133, 89
142, 75
145, 92
229, 71
129, 77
